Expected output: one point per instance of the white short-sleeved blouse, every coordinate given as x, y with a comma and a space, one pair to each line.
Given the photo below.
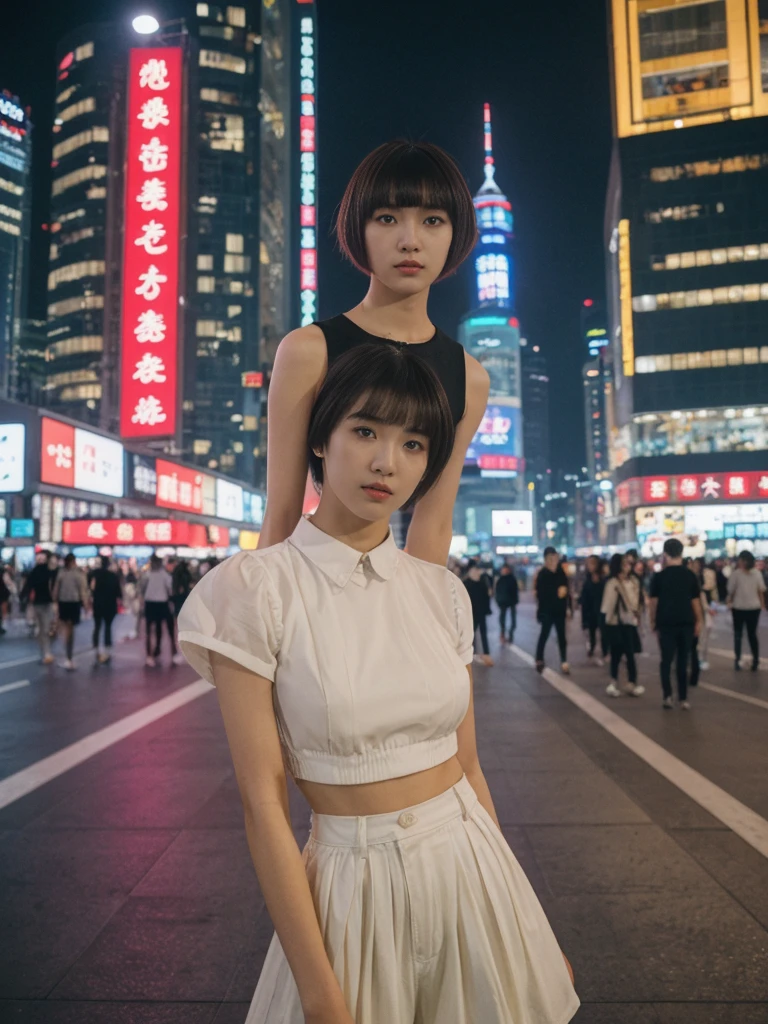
367, 652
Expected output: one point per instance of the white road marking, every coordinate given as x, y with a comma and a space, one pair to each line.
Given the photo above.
37, 774
17, 662
731, 656
736, 696
735, 815
14, 686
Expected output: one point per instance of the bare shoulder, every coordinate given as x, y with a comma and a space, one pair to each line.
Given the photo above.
305, 346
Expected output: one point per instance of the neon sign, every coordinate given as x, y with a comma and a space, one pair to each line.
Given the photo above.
151, 252
308, 175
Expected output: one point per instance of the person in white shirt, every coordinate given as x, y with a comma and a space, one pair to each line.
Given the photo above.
621, 608
347, 662
746, 593
156, 588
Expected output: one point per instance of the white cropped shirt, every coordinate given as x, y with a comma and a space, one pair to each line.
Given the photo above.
367, 652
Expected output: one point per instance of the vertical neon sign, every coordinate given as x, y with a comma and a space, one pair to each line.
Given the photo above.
308, 172
151, 252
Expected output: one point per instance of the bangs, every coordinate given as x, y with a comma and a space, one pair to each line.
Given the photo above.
415, 413
409, 177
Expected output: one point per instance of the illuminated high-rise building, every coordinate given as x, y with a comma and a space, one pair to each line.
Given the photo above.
596, 377
686, 233
15, 168
491, 333
289, 215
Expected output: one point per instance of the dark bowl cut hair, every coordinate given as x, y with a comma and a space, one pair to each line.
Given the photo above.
378, 381
401, 174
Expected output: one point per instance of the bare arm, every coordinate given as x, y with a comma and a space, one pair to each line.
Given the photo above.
301, 363
431, 527
246, 706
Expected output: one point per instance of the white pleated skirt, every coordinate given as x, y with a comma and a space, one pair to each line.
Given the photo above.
427, 918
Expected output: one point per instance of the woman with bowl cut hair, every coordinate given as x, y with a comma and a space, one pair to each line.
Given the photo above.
347, 663
406, 221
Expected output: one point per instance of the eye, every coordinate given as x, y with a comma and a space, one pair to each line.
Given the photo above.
421, 446
440, 220
356, 429
383, 215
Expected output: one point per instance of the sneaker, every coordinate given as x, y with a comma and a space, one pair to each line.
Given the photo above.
487, 660
667, 703
612, 690
737, 665
478, 658
704, 665
68, 664
104, 657
600, 662
755, 666
178, 659
635, 690
685, 705
47, 660
539, 666
565, 668
150, 662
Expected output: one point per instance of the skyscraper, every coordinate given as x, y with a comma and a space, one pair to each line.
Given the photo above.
212, 417
686, 235
15, 167
535, 401
491, 333
596, 378
88, 72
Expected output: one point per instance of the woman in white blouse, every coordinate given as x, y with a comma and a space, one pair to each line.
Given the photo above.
347, 662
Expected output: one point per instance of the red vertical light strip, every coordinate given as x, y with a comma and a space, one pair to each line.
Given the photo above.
151, 254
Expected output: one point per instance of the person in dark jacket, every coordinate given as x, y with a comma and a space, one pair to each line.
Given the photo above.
181, 578
553, 600
107, 591
590, 600
507, 596
476, 583
38, 587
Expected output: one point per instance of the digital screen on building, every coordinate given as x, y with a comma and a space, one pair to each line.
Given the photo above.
151, 249
229, 500
12, 454
511, 523
73, 457
495, 445
131, 531
308, 171
22, 528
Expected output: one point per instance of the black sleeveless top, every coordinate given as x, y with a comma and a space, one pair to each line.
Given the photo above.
444, 355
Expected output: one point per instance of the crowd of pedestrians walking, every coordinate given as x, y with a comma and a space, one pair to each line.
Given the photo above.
55, 595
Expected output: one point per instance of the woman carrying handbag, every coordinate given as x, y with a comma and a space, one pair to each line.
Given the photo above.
621, 607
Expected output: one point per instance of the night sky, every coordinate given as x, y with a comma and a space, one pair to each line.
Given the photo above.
414, 69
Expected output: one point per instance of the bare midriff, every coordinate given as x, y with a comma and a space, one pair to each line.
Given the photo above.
382, 797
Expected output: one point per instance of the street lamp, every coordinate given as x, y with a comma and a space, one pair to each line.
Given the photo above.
145, 24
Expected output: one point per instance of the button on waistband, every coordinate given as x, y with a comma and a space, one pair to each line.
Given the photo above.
406, 819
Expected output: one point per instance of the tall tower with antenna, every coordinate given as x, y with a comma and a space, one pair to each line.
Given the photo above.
492, 481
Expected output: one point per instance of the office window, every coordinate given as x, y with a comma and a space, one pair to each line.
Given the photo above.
236, 264
12, 187
236, 16
76, 109
234, 243
223, 61
84, 52
206, 284
75, 271
80, 302
204, 261
9, 229
88, 173
98, 134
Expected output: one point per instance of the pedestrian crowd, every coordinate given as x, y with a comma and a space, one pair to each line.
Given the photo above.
54, 595
622, 601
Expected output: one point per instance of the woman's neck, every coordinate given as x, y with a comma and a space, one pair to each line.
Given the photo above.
389, 315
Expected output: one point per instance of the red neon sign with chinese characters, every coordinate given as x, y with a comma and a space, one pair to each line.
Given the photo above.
178, 487
702, 487
125, 531
151, 253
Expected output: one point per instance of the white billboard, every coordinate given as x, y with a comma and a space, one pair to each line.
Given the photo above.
98, 464
512, 523
12, 449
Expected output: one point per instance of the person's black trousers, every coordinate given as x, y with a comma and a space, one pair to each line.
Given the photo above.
547, 622
622, 644
107, 618
749, 618
479, 622
512, 609
675, 643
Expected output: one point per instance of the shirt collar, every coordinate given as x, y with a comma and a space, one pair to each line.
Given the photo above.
338, 560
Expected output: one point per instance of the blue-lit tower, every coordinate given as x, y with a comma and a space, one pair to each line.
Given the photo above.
492, 478
493, 258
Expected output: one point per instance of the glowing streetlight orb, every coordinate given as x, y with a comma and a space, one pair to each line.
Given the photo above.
145, 24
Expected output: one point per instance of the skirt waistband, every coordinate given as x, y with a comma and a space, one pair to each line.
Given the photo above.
363, 831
